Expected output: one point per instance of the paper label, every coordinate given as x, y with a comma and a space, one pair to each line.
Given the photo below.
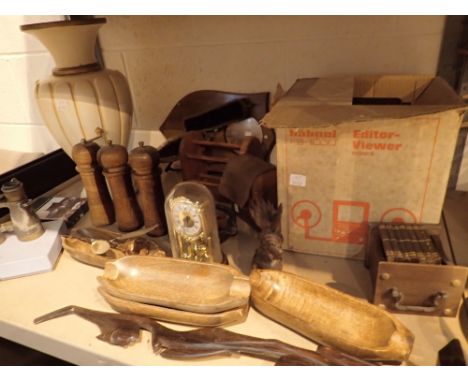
297, 180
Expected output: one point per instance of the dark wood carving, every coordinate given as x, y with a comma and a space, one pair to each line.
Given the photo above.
269, 255
144, 161
196, 106
124, 330
113, 159
205, 160
99, 201
208, 110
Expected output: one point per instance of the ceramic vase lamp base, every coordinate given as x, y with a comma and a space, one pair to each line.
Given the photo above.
80, 100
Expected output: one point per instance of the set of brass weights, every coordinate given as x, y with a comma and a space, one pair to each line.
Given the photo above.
107, 173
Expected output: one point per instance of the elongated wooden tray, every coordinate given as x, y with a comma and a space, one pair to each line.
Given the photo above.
174, 283
330, 317
229, 317
81, 252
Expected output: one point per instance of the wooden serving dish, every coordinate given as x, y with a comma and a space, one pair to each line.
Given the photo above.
233, 316
82, 251
180, 284
330, 317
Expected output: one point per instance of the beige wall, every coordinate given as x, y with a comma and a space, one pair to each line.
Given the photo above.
23, 60
166, 57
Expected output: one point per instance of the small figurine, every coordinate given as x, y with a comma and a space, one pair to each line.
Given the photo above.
269, 255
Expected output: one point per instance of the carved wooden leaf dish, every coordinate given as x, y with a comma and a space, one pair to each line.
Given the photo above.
91, 253
80, 251
233, 316
180, 284
330, 317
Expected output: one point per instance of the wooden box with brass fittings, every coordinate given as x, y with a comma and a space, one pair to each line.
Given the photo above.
414, 287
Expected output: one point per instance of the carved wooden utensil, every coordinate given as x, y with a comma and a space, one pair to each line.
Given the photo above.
330, 317
124, 330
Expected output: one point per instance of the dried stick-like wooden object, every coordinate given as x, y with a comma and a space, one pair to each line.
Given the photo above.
124, 330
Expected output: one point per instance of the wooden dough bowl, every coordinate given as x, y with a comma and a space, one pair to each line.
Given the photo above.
229, 317
180, 284
330, 317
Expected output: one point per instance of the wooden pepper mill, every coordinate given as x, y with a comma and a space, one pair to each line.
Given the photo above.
113, 159
144, 161
99, 201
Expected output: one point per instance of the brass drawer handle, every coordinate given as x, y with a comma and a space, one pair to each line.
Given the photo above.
435, 299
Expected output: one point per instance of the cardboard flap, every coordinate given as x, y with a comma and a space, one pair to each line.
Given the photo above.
322, 102
439, 92
319, 91
297, 116
406, 88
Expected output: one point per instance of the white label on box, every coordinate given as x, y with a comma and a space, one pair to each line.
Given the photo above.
297, 180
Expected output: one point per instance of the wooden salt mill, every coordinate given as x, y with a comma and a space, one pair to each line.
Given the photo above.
113, 159
99, 201
144, 161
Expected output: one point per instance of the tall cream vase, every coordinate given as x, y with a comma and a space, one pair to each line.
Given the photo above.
80, 99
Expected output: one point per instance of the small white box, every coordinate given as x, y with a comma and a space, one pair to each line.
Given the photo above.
22, 258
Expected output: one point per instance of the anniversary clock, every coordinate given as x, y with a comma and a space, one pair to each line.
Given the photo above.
191, 219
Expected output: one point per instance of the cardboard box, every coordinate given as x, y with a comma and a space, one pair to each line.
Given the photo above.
362, 149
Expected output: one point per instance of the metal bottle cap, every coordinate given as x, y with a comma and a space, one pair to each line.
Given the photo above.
13, 190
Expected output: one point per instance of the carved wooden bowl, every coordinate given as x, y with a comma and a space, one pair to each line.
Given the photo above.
228, 317
175, 283
330, 317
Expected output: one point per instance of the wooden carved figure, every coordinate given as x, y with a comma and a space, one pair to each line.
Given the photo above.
269, 255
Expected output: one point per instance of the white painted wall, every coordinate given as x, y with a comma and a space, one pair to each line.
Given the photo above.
23, 60
166, 57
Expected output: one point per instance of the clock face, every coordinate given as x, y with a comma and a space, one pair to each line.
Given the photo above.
186, 217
